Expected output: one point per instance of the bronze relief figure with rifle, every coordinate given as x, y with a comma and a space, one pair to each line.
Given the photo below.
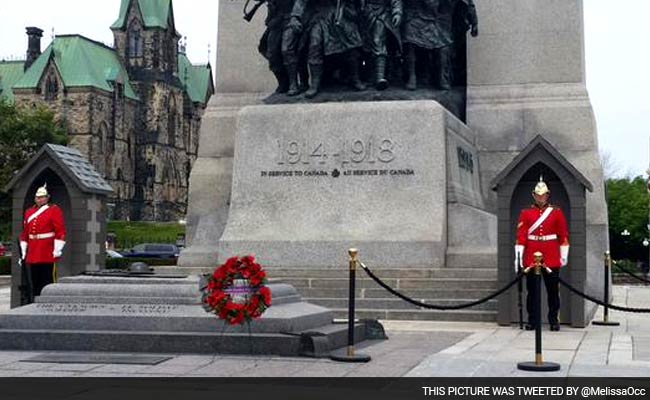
390, 44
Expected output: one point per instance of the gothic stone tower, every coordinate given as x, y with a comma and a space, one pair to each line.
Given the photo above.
146, 41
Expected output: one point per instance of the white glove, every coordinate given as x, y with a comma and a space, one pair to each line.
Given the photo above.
519, 257
58, 248
23, 249
564, 255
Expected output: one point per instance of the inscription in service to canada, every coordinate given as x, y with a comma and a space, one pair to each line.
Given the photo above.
357, 157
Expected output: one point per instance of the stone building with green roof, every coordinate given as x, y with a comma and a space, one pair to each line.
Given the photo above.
134, 109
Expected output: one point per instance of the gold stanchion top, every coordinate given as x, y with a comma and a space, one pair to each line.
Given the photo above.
353, 253
608, 253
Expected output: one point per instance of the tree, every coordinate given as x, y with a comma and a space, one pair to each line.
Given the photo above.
611, 167
628, 203
22, 133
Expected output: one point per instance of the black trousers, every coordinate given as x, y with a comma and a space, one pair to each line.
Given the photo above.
42, 275
552, 283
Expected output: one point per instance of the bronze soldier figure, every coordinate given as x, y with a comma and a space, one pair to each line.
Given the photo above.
381, 18
468, 11
465, 19
294, 52
279, 14
331, 29
427, 26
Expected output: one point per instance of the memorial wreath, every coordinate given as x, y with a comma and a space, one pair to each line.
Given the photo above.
236, 291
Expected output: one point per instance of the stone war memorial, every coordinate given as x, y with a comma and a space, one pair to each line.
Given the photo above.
413, 132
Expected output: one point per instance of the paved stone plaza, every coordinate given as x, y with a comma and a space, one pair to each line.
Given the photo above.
415, 349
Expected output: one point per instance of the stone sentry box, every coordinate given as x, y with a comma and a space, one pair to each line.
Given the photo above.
80, 191
568, 190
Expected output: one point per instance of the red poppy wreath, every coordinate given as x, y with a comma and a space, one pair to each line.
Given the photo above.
236, 291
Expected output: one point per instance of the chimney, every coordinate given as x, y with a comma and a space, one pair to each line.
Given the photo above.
34, 45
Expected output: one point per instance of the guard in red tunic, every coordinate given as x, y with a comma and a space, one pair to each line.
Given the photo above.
543, 228
42, 240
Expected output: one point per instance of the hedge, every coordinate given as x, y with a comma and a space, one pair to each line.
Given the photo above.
111, 263
129, 234
5, 265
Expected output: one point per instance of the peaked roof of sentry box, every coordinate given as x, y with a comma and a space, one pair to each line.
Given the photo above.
197, 79
73, 163
10, 73
82, 62
540, 142
155, 13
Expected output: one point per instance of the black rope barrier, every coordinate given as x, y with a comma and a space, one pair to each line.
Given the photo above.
633, 275
602, 303
439, 307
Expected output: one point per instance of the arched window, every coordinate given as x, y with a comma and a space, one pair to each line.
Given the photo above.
51, 88
135, 40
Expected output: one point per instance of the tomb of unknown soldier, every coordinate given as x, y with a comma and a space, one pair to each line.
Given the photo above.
412, 131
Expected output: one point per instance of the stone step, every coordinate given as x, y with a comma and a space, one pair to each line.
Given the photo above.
467, 260
380, 293
475, 271
397, 304
419, 315
405, 273
160, 342
397, 284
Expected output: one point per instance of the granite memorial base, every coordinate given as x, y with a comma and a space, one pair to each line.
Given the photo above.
312, 180
164, 315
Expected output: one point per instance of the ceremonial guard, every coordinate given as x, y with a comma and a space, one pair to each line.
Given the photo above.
42, 240
543, 228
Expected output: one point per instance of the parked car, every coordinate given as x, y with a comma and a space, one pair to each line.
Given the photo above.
3, 250
153, 250
113, 254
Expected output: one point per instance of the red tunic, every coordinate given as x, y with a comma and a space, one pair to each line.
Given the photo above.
541, 239
40, 233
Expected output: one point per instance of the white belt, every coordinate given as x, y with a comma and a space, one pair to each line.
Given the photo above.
42, 236
546, 238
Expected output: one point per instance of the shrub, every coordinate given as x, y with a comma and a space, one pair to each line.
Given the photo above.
5, 265
130, 234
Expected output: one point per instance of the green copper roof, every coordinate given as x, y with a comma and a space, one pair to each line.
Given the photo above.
81, 62
197, 79
10, 73
155, 13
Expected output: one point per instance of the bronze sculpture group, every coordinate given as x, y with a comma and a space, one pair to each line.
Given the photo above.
369, 40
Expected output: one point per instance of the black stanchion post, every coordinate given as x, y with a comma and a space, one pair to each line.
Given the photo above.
350, 355
608, 268
538, 365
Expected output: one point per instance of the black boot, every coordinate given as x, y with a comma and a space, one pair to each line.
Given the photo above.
283, 80
303, 73
316, 72
444, 69
354, 65
412, 82
292, 71
380, 69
